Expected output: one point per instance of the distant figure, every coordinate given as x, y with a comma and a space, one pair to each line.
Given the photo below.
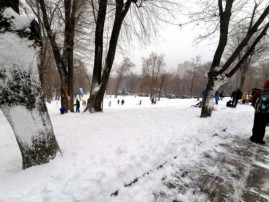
198, 99
122, 102
236, 95
260, 101
109, 103
62, 109
83, 103
254, 90
217, 97
201, 103
221, 95
77, 106
140, 102
152, 100
118, 101
244, 97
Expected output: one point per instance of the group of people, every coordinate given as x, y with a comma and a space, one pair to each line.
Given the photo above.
77, 104
122, 101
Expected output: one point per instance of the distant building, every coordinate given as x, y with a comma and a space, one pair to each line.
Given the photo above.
184, 67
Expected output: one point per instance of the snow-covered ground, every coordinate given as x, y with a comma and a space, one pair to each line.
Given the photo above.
104, 152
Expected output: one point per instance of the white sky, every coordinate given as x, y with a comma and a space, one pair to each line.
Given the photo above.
178, 46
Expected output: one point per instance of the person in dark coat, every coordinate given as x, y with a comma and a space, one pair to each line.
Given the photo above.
221, 95
236, 95
261, 119
77, 106
217, 97
62, 109
201, 103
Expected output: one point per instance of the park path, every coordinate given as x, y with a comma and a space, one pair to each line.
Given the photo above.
242, 173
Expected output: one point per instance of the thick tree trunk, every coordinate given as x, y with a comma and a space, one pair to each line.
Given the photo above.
68, 51
242, 81
208, 105
21, 97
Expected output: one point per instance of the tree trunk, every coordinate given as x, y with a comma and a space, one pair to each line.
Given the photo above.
208, 105
68, 51
225, 16
117, 87
21, 97
242, 81
57, 56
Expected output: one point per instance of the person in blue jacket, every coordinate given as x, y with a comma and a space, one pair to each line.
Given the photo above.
62, 109
77, 106
217, 97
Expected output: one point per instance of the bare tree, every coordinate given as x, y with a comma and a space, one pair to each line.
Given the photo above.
258, 53
153, 66
21, 97
124, 68
217, 74
196, 63
66, 17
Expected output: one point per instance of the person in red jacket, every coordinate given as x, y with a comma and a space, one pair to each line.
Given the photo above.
261, 119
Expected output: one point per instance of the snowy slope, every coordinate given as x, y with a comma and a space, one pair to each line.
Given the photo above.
104, 151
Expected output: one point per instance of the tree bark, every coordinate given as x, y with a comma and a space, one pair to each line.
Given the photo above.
21, 97
68, 50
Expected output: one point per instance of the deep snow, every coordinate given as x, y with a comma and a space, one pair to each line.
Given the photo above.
104, 151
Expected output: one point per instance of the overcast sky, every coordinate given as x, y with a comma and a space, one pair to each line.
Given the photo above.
178, 46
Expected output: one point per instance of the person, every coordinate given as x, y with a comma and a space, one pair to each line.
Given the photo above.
221, 95
118, 101
122, 102
261, 117
254, 90
109, 103
201, 103
217, 97
244, 97
77, 106
152, 100
140, 102
236, 95
62, 109
83, 103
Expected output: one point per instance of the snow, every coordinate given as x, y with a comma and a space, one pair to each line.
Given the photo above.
17, 53
27, 122
104, 151
19, 22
